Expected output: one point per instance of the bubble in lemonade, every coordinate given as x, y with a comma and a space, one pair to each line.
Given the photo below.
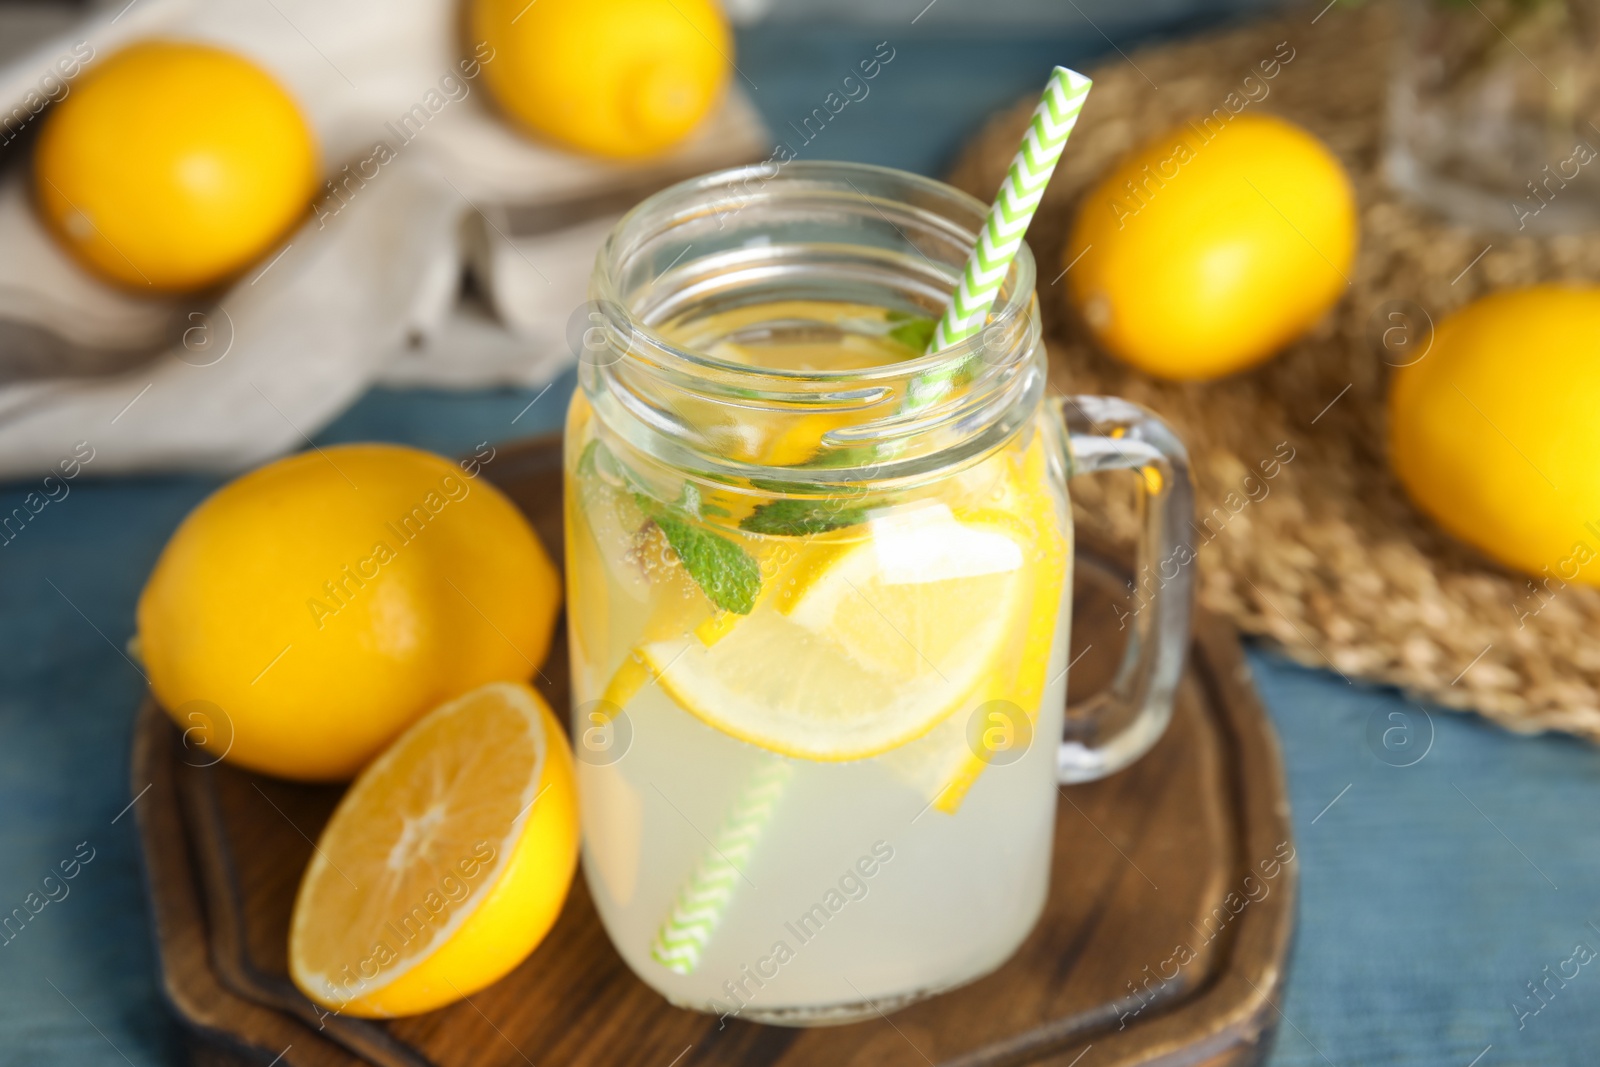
770, 684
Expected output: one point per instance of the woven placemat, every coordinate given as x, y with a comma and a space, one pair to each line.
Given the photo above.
1328, 558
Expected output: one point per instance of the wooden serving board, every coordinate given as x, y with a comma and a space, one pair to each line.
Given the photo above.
1182, 849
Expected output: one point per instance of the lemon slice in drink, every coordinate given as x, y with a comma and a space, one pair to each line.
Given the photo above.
1028, 494
876, 641
445, 863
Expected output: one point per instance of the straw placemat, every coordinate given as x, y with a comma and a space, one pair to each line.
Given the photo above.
1328, 558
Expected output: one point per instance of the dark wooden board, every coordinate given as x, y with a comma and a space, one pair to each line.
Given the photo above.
1147, 860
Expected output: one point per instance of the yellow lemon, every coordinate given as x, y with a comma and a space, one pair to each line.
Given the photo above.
1494, 430
446, 862
314, 608
619, 78
1212, 246
173, 165
874, 639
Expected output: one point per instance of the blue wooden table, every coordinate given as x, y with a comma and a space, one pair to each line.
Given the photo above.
1436, 897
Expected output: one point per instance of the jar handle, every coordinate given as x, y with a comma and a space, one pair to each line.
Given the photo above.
1116, 726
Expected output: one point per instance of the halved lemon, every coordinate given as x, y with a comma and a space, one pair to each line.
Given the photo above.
877, 641
446, 862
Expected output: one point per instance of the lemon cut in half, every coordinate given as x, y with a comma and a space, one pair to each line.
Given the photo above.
866, 646
446, 862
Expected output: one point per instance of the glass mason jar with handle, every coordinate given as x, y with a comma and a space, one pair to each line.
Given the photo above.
819, 587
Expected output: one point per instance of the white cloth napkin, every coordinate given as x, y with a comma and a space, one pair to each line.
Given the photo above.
366, 290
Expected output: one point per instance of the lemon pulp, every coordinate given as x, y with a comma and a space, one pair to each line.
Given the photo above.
445, 863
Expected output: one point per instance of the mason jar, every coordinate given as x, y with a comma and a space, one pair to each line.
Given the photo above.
819, 587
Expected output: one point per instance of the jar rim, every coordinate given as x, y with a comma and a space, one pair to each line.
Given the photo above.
688, 199
878, 228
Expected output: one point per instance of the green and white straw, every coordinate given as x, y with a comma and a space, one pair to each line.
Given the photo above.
703, 900
1006, 224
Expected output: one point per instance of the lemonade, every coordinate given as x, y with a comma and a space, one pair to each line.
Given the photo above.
818, 587
829, 700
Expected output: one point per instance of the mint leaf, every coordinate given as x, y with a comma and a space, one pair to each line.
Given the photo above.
798, 518
822, 459
834, 458
915, 333
726, 574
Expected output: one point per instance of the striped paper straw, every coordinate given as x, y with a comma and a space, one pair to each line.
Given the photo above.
1006, 224
703, 900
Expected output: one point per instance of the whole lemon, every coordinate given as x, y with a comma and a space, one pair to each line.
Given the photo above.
313, 608
619, 78
1495, 430
1214, 245
173, 166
